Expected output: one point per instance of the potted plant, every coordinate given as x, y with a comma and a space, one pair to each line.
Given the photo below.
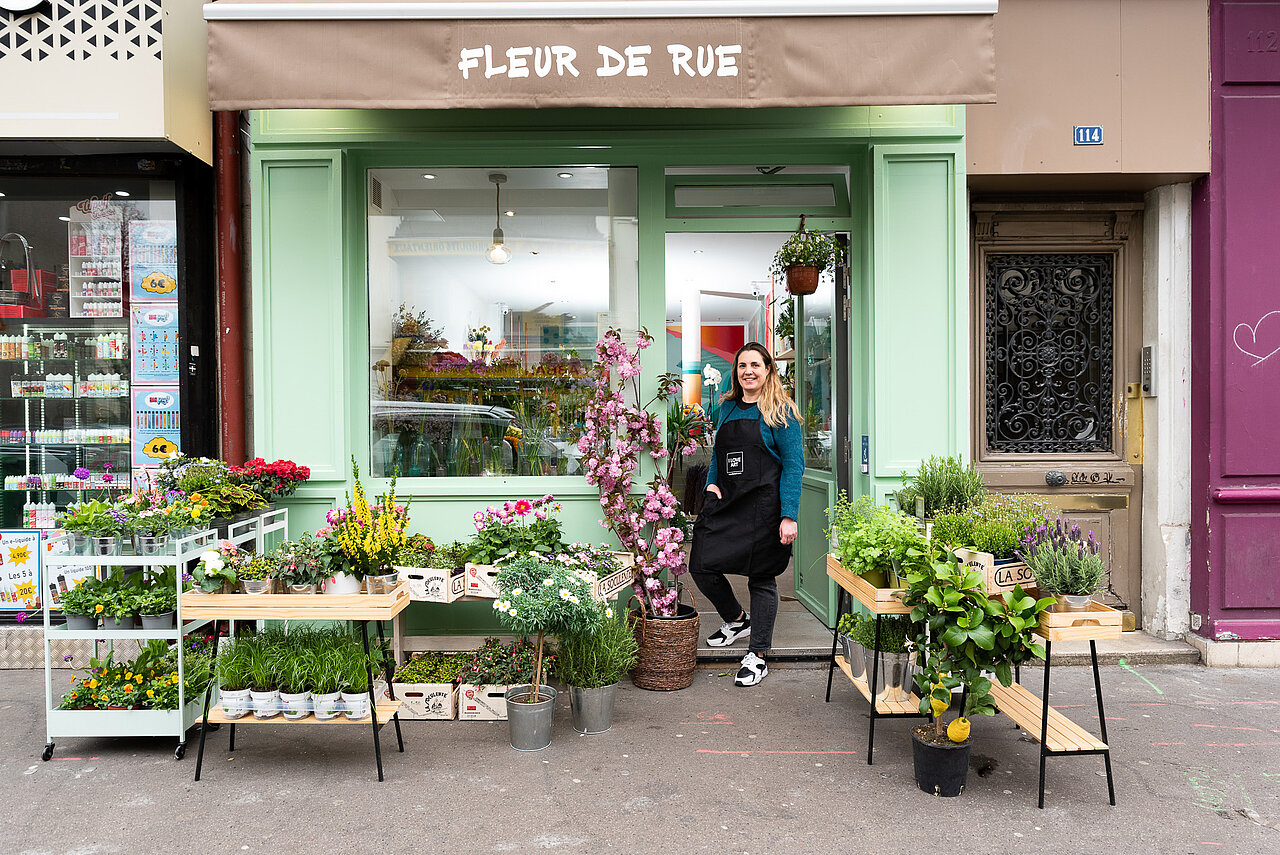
356, 667
82, 519
490, 671
215, 572
1065, 563
591, 663
371, 536
326, 682
854, 652
897, 656
944, 483
255, 575
158, 606
234, 679
426, 686
83, 605
262, 663
298, 664
540, 597
120, 606
874, 541
270, 481
804, 255
301, 564
962, 633
229, 503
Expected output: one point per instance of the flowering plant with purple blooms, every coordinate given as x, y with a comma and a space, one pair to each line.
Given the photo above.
619, 430
521, 526
1062, 559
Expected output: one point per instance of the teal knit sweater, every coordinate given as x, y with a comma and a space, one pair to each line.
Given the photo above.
784, 443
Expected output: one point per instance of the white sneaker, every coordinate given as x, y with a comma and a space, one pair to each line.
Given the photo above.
730, 632
753, 670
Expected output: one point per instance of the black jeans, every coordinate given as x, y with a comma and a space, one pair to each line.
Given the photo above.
764, 604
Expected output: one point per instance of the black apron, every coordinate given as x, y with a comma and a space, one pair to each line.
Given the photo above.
738, 533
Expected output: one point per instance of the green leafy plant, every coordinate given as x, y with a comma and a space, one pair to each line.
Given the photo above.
494, 664
521, 526
256, 569
953, 529
895, 632
1063, 560
158, 600
599, 655
996, 538
945, 484
233, 665
961, 632
848, 623
871, 537
806, 248
262, 663
190, 474
88, 518
431, 668
85, 598
227, 500
300, 562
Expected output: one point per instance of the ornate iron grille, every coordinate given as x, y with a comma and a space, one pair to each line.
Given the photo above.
1048, 352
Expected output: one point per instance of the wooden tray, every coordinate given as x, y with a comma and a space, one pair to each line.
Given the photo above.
296, 606
1097, 622
386, 709
881, 601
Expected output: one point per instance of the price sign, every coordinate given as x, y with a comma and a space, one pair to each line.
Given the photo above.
20, 570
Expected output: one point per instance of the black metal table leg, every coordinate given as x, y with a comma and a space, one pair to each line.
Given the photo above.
1044, 718
373, 705
835, 639
1102, 720
208, 697
391, 688
232, 746
875, 675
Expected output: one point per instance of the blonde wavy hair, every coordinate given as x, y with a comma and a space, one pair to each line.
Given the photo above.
774, 402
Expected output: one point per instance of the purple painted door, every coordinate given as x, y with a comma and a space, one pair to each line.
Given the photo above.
1235, 570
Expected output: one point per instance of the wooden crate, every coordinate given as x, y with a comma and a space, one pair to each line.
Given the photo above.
434, 584
482, 703
608, 587
481, 581
427, 701
884, 601
1098, 622
295, 606
998, 577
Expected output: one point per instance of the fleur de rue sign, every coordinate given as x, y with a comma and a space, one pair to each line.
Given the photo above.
696, 61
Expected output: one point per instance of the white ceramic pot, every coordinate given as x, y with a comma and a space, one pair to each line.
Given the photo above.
342, 583
235, 704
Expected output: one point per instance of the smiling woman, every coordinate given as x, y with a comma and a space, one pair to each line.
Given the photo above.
480, 367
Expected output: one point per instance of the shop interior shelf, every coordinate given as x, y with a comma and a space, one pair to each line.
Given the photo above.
911, 706
1024, 708
385, 710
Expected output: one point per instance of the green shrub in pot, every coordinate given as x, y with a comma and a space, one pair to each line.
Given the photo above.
601, 654
872, 538
945, 484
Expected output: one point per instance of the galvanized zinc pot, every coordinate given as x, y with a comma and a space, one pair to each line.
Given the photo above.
592, 709
530, 724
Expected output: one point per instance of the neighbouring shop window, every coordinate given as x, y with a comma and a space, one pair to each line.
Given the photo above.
1049, 340
816, 374
89, 287
488, 289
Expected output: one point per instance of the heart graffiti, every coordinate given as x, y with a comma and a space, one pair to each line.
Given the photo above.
1257, 344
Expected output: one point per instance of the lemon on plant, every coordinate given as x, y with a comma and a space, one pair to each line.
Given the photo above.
958, 730
939, 707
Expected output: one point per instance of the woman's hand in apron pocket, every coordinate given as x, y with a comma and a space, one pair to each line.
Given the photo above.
787, 531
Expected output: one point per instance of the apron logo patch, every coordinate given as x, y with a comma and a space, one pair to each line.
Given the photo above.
733, 463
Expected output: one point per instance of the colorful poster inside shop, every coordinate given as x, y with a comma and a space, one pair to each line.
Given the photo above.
153, 259
157, 431
155, 343
20, 570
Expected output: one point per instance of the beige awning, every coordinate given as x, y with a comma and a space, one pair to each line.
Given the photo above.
403, 54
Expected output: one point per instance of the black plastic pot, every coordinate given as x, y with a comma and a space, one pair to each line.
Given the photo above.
940, 769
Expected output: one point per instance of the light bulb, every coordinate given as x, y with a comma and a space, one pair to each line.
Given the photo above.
497, 253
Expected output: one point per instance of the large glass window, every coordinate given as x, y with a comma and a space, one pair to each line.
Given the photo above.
488, 289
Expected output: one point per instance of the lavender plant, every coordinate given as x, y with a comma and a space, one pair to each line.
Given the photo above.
1064, 561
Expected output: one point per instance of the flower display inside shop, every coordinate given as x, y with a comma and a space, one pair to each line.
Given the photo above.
619, 431
370, 536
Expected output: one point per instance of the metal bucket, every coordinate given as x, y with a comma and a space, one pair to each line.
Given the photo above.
893, 683
381, 584
854, 655
152, 544
591, 709
255, 586
530, 724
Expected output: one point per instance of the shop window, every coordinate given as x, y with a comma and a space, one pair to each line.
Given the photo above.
89, 286
1049, 333
816, 374
488, 289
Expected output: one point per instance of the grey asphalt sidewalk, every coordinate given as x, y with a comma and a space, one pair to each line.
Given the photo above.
712, 768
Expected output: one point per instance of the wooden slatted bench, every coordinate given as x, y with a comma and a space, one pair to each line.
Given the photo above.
1024, 708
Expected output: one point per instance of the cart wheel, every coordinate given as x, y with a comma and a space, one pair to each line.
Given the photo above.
48, 752
180, 751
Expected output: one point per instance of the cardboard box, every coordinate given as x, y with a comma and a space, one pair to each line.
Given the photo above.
481, 581
434, 584
482, 703
608, 587
427, 701
999, 577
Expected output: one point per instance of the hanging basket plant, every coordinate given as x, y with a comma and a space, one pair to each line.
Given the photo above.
803, 258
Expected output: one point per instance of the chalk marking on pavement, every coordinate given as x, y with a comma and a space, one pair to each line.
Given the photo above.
1237, 744
1126, 666
1230, 727
1168, 743
752, 751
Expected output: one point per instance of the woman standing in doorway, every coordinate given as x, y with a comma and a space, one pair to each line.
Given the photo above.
748, 523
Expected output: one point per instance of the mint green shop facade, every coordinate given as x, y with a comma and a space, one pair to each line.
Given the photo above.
901, 347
